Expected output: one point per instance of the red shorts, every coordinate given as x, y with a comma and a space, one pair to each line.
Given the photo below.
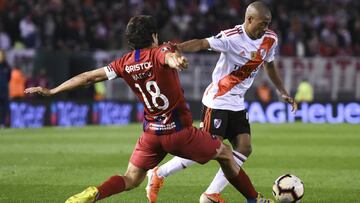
190, 143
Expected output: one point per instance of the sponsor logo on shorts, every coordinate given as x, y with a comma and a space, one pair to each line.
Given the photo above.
217, 123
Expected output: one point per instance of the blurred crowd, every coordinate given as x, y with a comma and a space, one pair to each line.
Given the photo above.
305, 28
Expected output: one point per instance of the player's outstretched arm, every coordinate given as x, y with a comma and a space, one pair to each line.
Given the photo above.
274, 77
81, 80
193, 45
176, 60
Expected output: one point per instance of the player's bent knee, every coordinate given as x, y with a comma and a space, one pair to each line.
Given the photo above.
134, 176
131, 182
242, 144
249, 150
244, 150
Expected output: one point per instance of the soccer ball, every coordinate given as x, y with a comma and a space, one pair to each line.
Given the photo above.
288, 189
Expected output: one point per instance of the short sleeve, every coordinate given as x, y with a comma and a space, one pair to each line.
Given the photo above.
272, 52
219, 43
113, 70
162, 51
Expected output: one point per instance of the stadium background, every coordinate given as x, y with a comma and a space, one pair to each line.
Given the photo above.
57, 39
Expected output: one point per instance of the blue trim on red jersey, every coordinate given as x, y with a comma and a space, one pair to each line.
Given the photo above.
176, 119
145, 122
159, 132
137, 55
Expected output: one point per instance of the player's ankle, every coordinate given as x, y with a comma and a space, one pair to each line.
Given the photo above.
251, 200
159, 173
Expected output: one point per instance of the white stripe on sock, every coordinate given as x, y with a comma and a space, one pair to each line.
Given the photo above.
239, 158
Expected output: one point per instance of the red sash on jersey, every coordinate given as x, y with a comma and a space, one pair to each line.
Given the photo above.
236, 77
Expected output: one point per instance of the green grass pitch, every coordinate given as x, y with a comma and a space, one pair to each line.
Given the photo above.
51, 164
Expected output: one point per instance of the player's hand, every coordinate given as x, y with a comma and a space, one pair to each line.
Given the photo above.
176, 60
38, 90
290, 101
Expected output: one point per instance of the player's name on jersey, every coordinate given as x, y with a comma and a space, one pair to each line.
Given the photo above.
140, 76
137, 67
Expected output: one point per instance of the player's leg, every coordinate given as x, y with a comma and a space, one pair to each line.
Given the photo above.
177, 163
201, 146
215, 121
240, 138
157, 175
133, 177
219, 182
114, 185
147, 154
233, 172
237, 123
173, 166
238, 131
235, 175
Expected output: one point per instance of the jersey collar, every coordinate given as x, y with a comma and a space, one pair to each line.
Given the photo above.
248, 38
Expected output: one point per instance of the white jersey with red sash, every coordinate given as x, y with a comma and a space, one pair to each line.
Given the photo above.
240, 60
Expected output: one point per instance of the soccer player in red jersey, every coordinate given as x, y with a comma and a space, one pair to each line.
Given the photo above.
150, 71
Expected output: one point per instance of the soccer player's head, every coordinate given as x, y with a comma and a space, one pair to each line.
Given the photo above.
141, 32
257, 19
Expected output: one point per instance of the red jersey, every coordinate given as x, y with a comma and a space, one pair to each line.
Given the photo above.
157, 86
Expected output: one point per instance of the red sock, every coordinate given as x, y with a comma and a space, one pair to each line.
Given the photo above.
243, 184
113, 185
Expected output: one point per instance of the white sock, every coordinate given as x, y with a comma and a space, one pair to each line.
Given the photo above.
174, 165
220, 182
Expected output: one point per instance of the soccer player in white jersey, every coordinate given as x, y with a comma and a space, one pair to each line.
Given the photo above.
244, 50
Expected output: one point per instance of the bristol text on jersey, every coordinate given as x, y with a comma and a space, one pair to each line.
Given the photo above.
140, 66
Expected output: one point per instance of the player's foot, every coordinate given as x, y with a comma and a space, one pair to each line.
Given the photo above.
211, 198
154, 184
261, 199
86, 196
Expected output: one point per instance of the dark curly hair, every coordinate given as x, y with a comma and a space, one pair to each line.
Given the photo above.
139, 31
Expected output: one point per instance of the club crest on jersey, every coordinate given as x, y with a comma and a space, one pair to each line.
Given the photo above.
253, 55
217, 123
